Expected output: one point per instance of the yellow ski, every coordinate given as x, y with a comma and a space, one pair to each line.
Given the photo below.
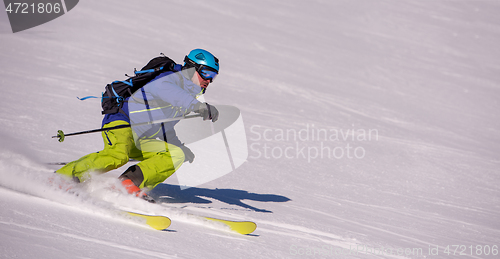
163, 222
242, 227
156, 222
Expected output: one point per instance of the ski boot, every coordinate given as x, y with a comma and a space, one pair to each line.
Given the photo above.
134, 190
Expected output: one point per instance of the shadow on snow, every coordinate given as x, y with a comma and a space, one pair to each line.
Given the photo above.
173, 194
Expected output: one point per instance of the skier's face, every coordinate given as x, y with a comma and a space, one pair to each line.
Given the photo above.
198, 80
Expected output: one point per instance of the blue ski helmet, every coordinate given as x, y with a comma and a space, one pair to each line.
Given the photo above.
201, 57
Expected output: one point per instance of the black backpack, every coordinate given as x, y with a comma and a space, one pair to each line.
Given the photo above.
116, 92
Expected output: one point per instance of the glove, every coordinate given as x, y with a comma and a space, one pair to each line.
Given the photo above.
207, 111
188, 154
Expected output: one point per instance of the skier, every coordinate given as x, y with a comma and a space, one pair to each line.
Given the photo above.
169, 95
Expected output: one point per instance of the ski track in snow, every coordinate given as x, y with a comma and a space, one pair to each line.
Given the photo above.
97, 242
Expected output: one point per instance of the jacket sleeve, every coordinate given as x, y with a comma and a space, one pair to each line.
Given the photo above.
169, 90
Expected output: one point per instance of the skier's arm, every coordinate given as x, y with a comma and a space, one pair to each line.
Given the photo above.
170, 92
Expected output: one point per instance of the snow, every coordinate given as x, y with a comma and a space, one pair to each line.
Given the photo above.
370, 125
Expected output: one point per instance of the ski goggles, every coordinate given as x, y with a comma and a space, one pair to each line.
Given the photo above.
207, 73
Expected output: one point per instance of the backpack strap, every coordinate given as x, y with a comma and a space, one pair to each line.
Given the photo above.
113, 94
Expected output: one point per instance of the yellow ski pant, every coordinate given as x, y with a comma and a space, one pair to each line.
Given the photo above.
159, 160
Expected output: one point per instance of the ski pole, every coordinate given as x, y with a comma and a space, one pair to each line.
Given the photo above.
60, 134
